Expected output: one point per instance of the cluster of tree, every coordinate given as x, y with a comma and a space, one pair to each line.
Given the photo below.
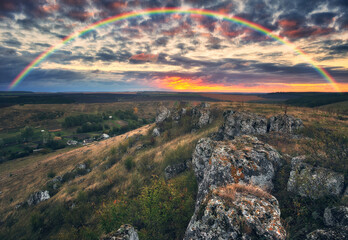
130, 126
126, 115
79, 120
89, 127
46, 115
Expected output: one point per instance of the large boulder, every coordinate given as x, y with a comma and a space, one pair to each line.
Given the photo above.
329, 234
162, 114
237, 212
38, 197
242, 123
314, 182
243, 160
125, 232
336, 216
284, 124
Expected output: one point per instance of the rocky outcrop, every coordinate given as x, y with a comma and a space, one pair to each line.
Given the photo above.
172, 171
336, 216
125, 232
241, 123
202, 115
38, 197
55, 183
329, 234
163, 114
284, 124
314, 182
248, 215
245, 212
243, 160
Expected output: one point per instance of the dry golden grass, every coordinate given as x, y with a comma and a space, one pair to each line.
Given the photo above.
229, 191
21, 177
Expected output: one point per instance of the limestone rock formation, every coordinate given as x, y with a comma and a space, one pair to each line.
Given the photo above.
336, 216
202, 115
38, 197
314, 182
247, 215
237, 215
284, 124
125, 232
163, 114
243, 160
242, 123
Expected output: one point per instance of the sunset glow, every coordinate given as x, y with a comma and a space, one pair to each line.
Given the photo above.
180, 84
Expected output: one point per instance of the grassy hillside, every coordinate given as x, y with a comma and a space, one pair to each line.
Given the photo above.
126, 184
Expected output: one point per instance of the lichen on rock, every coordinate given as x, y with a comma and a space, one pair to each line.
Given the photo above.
314, 182
237, 215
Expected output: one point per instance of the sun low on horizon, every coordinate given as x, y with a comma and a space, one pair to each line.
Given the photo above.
182, 46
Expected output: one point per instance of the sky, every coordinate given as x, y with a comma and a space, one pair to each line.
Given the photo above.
174, 52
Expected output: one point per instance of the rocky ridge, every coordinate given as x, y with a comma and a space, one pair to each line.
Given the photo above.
242, 123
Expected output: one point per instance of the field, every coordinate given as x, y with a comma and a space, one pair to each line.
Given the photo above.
127, 167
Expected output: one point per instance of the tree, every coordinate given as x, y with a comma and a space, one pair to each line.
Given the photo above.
27, 133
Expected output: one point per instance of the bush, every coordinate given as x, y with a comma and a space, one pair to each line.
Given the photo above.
181, 154
36, 222
129, 163
51, 174
161, 211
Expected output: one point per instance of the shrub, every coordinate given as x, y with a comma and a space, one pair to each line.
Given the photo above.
129, 163
181, 154
161, 211
36, 222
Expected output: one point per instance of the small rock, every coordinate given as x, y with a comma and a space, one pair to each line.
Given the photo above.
125, 232
336, 216
172, 171
38, 197
156, 132
328, 234
81, 166
314, 182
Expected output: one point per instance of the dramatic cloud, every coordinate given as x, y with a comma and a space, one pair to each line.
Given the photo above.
174, 51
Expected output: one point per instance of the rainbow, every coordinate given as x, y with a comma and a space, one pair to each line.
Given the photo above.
156, 11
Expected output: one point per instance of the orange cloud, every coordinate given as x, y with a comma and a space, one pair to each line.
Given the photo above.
284, 23
145, 57
177, 83
49, 8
